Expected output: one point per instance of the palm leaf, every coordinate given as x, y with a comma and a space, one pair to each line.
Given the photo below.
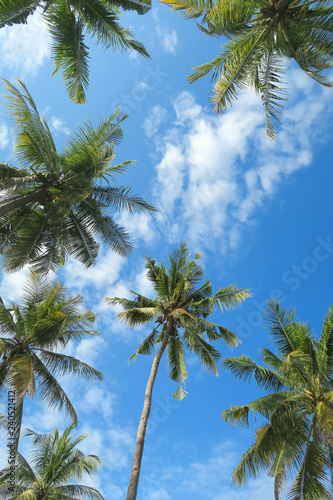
177, 365
147, 346
244, 368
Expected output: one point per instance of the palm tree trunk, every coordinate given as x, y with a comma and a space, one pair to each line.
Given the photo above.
20, 201
140, 438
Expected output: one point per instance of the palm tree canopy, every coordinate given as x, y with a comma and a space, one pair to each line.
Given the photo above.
296, 438
57, 204
69, 21
262, 34
46, 320
55, 463
179, 298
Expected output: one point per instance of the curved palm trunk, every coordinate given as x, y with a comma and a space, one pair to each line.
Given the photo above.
20, 201
140, 438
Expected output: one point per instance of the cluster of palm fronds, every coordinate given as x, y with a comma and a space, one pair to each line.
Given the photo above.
296, 438
57, 205
69, 21
260, 36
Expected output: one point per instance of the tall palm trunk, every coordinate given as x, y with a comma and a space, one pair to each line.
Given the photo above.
140, 438
20, 201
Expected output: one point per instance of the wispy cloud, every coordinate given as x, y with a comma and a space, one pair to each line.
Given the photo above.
4, 136
216, 172
25, 47
167, 37
58, 125
153, 121
207, 478
11, 285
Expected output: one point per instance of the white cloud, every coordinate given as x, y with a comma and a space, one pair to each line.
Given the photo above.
186, 108
205, 478
11, 284
169, 41
113, 444
89, 348
25, 47
3, 136
152, 123
159, 494
58, 125
217, 171
168, 37
105, 272
97, 400
140, 226
143, 85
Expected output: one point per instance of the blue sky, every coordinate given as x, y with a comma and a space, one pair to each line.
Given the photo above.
259, 212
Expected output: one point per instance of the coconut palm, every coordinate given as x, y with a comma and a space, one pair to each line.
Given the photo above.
56, 205
179, 309
55, 463
262, 34
31, 332
69, 21
296, 435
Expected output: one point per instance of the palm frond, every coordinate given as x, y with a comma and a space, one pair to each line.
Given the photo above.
230, 297
312, 476
244, 368
101, 21
61, 364
206, 352
280, 322
177, 365
35, 147
49, 390
147, 346
191, 9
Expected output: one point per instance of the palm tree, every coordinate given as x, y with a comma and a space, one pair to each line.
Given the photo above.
262, 35
68, 22
56, 204
31, 333
296, 438
56, 462
180, 310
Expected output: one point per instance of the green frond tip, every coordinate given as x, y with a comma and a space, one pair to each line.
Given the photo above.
237, 415
231, 297
180, 393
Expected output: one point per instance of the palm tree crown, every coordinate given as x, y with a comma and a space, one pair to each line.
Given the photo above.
180, 310
295, 439
68, 22
262, 34
47, 319
56, 204
56, 462
186, 306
